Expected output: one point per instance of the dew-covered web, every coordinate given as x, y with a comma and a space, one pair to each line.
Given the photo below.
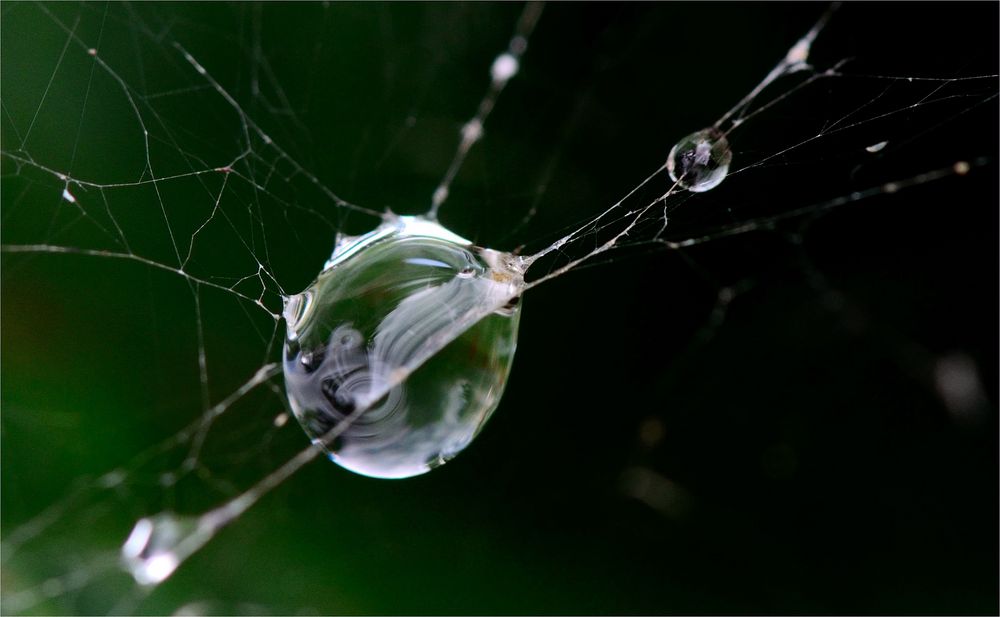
172, 173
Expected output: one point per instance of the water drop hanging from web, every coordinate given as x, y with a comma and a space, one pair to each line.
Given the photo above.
700, 161
412, 329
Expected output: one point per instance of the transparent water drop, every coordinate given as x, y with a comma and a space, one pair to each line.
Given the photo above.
700, 161
157, 545
410, 328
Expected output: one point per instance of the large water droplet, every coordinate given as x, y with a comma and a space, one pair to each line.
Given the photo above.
700, 161
416, 327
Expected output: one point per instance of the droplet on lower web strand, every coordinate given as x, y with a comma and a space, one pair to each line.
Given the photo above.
157, 545
410, 330
700, 161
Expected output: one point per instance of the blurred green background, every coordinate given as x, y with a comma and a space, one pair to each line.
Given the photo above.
796, 420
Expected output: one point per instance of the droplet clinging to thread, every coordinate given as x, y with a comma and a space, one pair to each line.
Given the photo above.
700, 161
158, 544
413, 328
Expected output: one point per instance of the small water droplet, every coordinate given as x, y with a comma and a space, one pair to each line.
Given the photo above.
157, 545
472, 131
414, 326
700, 161
504, 67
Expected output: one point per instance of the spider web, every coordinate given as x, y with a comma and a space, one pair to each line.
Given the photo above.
171, 172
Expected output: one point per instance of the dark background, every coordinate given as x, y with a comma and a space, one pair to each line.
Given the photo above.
752, 425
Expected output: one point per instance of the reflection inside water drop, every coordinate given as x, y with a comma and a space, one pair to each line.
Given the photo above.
700, 161
412, 327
